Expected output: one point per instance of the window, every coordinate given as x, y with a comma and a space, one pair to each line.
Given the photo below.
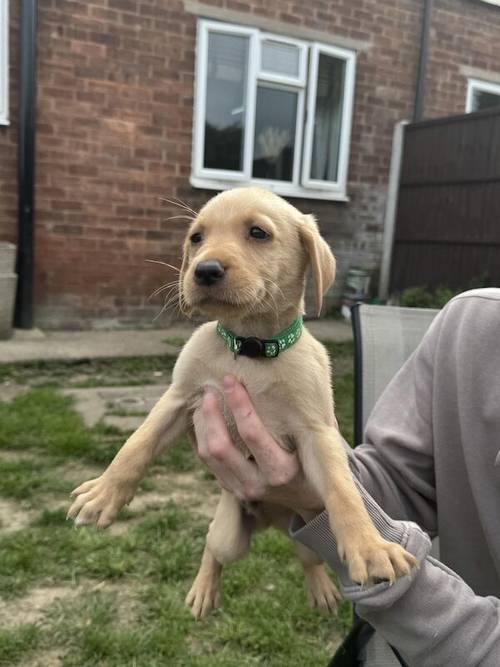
482, 95
271, 111
4, 63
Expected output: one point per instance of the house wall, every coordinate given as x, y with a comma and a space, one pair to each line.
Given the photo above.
465, 42
115, 100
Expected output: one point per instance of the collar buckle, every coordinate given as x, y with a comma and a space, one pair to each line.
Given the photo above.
251, 347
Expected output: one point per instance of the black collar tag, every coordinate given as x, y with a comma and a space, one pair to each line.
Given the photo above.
251, 347
257, 347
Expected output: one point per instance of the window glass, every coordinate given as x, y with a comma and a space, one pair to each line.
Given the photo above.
485, 100
328, 118
225, 104
280, 58
275, 122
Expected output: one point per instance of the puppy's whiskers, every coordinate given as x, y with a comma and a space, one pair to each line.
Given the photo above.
170, 266
276, 286
190, 218
178, 202
162, 288
171, 300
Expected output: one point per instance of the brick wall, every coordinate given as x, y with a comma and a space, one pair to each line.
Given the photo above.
115, 99
465, 40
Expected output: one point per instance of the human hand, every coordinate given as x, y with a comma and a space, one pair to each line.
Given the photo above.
273, 475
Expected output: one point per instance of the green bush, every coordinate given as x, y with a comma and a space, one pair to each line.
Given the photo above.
420, 297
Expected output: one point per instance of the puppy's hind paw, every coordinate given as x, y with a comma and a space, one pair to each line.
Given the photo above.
322, 593
203, 596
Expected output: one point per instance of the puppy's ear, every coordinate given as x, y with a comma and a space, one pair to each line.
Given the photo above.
320, 257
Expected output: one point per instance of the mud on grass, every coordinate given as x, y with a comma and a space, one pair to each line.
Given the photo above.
115, 598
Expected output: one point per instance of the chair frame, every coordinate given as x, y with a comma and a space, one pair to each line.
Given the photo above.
361, 630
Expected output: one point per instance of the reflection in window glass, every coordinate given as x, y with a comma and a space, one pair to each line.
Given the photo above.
328, 118
484, 100
280, 58
225, 105
275, 121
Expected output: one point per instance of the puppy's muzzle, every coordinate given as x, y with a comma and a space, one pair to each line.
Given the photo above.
208, 272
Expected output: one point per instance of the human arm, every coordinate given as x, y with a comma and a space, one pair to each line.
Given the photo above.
431, 616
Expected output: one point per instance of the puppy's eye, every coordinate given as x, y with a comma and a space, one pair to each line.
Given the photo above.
196, 237
258, 233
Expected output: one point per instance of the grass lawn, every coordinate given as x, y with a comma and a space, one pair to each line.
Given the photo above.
82, 597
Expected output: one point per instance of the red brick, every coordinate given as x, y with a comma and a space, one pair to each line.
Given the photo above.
115, 128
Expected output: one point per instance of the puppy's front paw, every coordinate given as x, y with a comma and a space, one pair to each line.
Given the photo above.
99, 501
376, 559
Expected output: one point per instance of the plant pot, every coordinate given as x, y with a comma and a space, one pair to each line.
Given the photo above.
8, 283
7, 258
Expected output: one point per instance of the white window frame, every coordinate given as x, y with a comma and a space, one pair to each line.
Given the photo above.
199, 170
301, 78
301, 185
345, 121
4, 62
482, 86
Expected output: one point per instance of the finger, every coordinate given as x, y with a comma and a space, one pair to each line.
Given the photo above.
209, 422
215, 447
270, 457
217, 444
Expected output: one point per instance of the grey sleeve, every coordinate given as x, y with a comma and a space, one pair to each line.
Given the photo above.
395, 464
431, 616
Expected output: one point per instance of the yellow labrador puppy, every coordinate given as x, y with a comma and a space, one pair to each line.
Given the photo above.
245, 261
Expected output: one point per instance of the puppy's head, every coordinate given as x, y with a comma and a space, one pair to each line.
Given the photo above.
247, 252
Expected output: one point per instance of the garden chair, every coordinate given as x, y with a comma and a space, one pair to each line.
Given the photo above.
384, 338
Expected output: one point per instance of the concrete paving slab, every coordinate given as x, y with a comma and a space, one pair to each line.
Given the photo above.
96, 403
35, 345
124, 423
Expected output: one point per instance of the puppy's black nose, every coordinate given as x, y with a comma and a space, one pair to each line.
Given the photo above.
208, 272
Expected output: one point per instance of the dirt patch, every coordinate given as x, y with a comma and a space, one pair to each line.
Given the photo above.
30, 608
11, 390
185, 490
16, 455
13, 517
188, 490
50, 658
78, 473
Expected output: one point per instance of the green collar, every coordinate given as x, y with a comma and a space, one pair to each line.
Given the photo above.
261, 347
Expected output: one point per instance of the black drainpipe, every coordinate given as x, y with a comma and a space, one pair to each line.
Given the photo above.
26, 163
422, 63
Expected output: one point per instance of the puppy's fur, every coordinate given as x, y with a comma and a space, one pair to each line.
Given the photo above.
260, 294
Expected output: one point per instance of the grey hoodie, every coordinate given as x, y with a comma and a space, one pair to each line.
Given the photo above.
432, 456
